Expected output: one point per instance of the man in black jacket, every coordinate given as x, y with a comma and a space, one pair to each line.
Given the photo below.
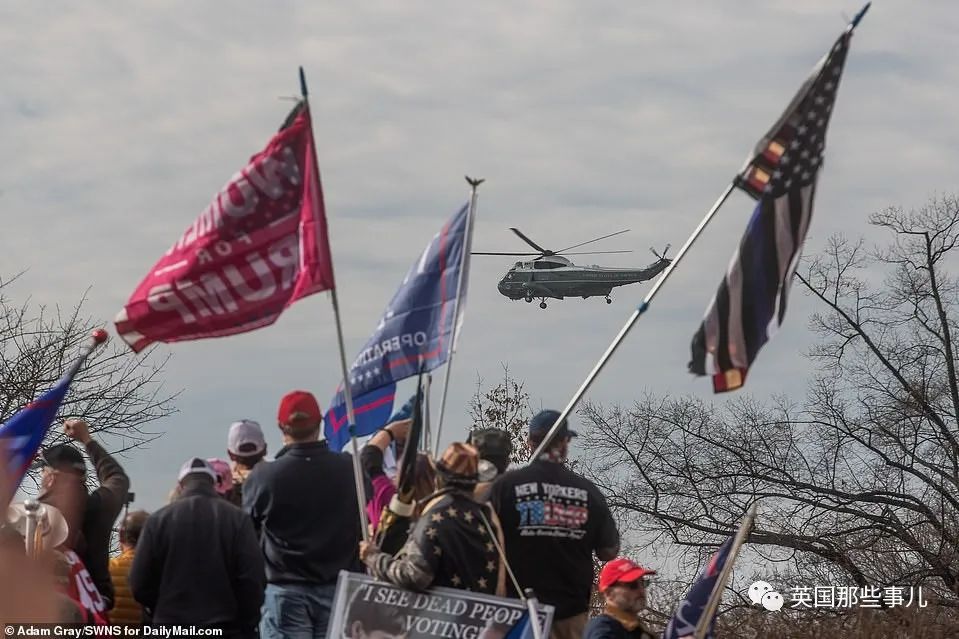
304, 507
64, 487
554, 520
198, 562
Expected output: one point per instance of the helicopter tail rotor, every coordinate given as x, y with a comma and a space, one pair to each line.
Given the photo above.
660, 256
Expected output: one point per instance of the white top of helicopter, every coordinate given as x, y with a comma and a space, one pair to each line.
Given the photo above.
552, 262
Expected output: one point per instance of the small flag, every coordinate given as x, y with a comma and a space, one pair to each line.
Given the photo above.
22, 435
690, 610
750, 304
406, 467
416, 328
261, 245
371, 410
522, 629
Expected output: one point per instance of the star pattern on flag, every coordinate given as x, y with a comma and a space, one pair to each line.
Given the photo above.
490, 547
481, 582
468, 516
800, 162
431, 532
456, 581
366, 376
451, 512
436, 517
437, 551
794, 151
490, 566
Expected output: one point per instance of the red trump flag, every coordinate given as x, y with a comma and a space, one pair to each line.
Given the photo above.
258, 247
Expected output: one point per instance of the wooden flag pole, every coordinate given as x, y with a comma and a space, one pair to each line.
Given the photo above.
705, 620
642, 308
347, 391
464, 266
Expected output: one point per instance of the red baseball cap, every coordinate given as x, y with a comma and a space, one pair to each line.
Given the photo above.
621, 570
299, 404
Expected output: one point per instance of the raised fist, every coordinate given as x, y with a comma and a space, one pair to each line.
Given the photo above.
78, 430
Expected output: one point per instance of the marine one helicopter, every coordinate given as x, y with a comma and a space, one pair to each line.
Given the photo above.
550, 275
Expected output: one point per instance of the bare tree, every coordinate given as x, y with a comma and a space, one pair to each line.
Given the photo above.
117, 392
505, 406
859, 482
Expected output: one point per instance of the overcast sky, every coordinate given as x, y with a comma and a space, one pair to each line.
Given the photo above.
119, 121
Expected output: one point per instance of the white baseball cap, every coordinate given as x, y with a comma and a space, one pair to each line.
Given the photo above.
196, 465
245, 438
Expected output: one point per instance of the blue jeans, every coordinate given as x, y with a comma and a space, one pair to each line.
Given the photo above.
297, 611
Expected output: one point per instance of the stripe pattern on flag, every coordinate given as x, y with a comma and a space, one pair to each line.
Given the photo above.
750, 304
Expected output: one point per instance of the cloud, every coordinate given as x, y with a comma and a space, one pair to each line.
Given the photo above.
120, 122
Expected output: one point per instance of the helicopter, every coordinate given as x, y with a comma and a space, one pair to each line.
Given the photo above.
551, 275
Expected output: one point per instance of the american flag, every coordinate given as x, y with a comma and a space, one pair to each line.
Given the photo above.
750, 304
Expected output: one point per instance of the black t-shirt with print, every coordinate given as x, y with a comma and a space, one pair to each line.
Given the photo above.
553, 520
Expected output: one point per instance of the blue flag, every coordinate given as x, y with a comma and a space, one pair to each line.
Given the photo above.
418, 321
22, 434
372, 412
690, 610
522, 629
417, 326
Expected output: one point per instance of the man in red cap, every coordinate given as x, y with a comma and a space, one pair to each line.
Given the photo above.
623, 585
304, 508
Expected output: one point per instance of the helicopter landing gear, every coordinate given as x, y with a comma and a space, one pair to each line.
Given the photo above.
542, 304
608, 300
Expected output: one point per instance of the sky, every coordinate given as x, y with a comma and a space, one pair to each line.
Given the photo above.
119, 121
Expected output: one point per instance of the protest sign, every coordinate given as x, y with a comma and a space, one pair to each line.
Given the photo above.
363, 606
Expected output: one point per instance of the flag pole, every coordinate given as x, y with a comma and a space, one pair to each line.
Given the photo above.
467, 245
642, 308
347, 391
702, 628
427, 430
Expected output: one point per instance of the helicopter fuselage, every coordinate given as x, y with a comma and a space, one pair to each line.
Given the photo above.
556, 277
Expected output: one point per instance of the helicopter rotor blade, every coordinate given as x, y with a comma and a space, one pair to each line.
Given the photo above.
487, 253
530, 242
591, 241
596, 252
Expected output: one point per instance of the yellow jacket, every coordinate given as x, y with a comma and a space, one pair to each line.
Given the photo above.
125, 608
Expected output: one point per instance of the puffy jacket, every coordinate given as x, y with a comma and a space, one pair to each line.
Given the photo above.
126, 610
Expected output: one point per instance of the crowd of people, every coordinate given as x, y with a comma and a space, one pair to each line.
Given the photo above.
254, 546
